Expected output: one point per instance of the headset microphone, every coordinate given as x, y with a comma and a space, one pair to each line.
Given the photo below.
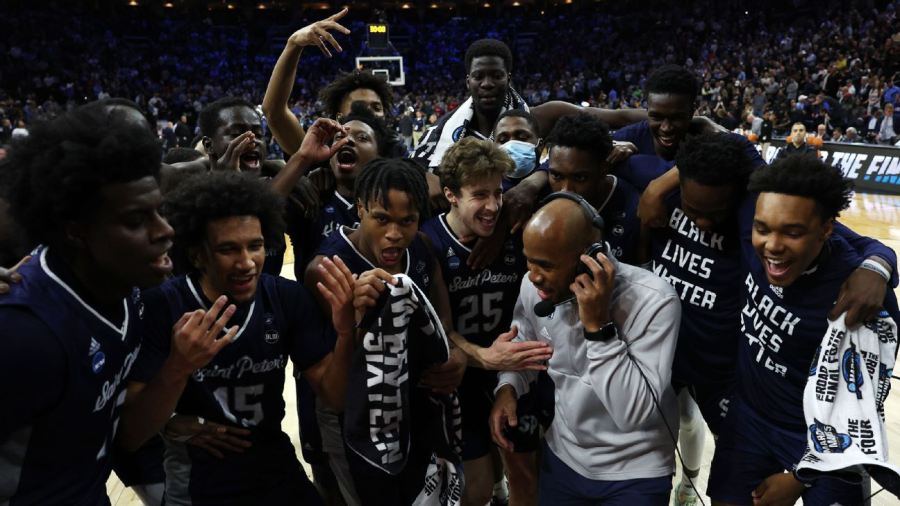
546, 307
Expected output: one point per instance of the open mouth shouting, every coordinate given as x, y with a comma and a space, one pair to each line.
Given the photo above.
346, 159
251, 160
777, 269
391, 256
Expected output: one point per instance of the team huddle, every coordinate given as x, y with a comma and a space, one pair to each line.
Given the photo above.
576, 291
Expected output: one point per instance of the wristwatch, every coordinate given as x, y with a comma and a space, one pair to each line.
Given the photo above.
606, 332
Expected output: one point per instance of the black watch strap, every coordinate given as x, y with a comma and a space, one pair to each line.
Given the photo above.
606, 332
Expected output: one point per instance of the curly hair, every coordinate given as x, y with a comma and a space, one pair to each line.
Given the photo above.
585, 132
489, 47
333, 95
470, 160
209, 116
381, 175
806, 176
519, 113
57, 173
203, 198
672, 80
359, 112
714, 160
179, 155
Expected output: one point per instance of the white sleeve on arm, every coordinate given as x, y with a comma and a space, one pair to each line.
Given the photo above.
615, 378
520, 380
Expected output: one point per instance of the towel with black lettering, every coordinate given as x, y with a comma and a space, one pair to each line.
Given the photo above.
384, 415
843, 404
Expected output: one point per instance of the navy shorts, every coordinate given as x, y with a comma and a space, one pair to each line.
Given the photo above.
712, 400
562, 486
750, 449
476, 399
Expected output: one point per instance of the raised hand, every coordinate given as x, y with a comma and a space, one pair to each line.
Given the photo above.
317, 34
337, 286
195, 339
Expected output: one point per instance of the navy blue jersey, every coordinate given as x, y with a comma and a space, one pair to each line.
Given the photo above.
704, 269
243, 386
481, 302
621, 226
639, 135
783, 326
418, 258
306, 237
64, 365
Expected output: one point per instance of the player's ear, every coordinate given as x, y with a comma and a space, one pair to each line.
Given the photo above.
450, 196
207, 145
195, 257
359, 208
828, 228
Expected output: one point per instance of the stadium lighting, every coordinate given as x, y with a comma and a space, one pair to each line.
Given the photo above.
487, 5
133, 3
516, 4
406, 6
231, 6
169, 5
434, 6
261, 6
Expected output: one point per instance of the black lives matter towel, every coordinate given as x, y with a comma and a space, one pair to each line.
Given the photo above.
404, 337
843, 404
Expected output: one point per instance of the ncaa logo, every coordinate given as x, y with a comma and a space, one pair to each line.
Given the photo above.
329, 209
453, 263
509, 259
98, 362
272, 336
269, 318
618, 230
420, 267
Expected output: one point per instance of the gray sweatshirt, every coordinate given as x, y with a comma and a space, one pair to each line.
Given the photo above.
606, 424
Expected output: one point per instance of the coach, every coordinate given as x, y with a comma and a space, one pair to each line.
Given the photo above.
613, 332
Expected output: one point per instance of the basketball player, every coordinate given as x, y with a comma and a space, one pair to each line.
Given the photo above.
794, 268
579, 146
481, 301
222, 222
71, 325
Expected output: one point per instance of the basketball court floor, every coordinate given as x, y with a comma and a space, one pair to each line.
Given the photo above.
876, 216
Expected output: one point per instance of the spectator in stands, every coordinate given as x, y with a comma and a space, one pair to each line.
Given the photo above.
851, 136
20, 130
873, 127
183, 133
837, 135
405, 126
887, 134
797, 144
891, 92
6, 130
821, 131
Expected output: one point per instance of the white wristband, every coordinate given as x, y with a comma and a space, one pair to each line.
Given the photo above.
874, 266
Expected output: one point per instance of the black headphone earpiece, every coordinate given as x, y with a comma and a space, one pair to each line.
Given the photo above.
596, 220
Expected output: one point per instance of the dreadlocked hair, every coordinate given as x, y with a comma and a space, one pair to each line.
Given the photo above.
382, 175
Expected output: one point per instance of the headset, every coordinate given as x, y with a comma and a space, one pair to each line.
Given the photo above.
596, 221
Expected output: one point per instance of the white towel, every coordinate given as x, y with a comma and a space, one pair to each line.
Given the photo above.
843, 404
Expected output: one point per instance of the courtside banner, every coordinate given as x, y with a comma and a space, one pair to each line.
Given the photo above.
873, 168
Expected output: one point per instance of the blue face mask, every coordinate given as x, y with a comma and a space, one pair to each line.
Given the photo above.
523, 153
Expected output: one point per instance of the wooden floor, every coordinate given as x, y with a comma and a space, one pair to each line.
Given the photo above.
876, 216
